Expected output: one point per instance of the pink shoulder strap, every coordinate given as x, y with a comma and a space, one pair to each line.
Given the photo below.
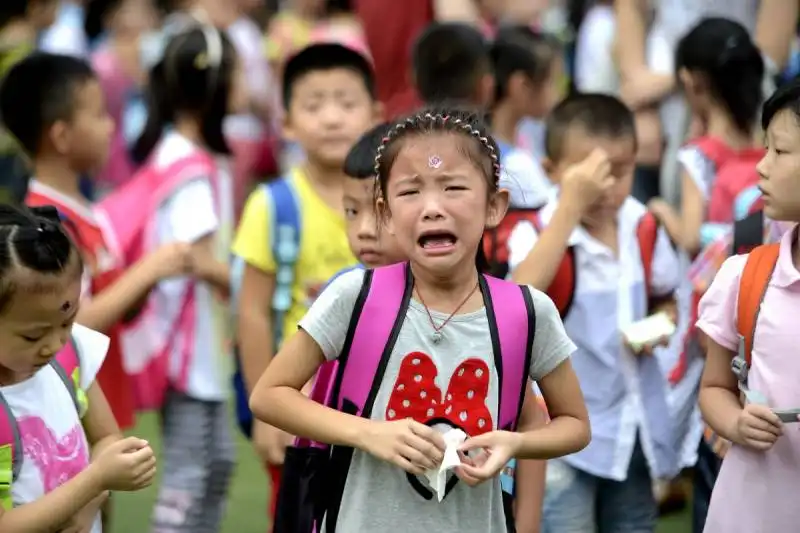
65, 363
176, 173
385, 298
512, 323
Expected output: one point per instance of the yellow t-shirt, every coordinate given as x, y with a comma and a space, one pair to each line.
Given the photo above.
324, 249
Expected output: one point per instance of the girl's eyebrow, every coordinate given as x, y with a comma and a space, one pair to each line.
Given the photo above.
32, 326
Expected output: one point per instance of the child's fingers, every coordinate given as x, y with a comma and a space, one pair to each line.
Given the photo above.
429, 434
764, 418
476, 473
465, 477
408, 466
424, 447
418, 458
465, 459
146, 478
759, 445
145, 466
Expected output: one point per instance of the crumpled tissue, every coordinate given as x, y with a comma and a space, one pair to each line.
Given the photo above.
437, 477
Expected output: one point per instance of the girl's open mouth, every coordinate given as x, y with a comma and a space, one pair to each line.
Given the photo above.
437, 242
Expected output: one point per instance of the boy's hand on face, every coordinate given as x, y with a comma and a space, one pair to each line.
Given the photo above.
584, 183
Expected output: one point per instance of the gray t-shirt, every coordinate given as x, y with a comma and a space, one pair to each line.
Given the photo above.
377, 495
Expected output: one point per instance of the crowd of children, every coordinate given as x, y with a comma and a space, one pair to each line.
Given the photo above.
427, 322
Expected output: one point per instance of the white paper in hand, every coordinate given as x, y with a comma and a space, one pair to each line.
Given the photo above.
437, 477
648, 330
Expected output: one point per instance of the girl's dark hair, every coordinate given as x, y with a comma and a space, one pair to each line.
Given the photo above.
520, 49
186, 80
32, 238
96, 13
723, 51
479, 146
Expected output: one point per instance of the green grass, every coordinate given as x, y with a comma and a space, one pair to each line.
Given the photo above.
248, 498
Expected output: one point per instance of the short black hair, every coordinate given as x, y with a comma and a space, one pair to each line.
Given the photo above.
449, 59
360, 160
597, 114
39, 91
787, 96
34, 239
11, 10
520, 49
322, 57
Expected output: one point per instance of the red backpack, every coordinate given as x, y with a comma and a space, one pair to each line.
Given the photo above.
562, 288
735, 173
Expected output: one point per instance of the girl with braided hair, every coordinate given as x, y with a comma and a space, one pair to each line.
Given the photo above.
61, 450
437, 175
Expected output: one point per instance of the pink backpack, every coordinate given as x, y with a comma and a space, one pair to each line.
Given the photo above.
313, 474
128, 218
735, 173
67, 364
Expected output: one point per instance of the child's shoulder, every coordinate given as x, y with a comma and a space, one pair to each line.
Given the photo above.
174, 147
346, 283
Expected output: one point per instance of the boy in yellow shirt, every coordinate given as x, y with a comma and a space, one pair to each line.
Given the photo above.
292, 237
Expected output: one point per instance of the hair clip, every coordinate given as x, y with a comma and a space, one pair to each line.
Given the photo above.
201, 61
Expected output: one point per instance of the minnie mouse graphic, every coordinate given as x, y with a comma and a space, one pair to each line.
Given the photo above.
415, 395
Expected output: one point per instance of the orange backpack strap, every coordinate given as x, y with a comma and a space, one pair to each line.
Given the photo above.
562, 288
752, 287
647, 234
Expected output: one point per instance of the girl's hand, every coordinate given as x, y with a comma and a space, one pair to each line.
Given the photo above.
128, 464
412, 446
496, 448
757, 427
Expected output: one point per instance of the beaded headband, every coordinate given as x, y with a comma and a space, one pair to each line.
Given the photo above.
444, 122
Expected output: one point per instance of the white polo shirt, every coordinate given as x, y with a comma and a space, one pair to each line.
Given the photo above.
626, 394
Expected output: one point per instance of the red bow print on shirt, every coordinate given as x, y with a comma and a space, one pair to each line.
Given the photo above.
416, 396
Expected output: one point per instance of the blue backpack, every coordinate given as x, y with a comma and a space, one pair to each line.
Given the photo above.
284, 208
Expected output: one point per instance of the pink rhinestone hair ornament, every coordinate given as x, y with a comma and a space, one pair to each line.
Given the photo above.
434, 161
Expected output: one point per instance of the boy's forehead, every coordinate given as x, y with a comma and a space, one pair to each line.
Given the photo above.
359, 188
578, 142
328, 80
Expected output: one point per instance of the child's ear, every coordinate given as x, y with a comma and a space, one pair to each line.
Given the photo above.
689, 81
496, 210
378, 113
384, 216
548, 166
517, 83
485, 91
287, 129
60, 137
